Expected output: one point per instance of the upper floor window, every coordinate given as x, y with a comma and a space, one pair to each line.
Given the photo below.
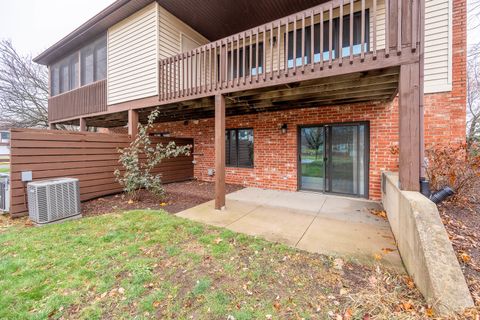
94, 61
71, 72
336, 47
248, 69
64, 75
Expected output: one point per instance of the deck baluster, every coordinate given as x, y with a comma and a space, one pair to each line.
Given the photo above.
362, 41
330, 35
351, 31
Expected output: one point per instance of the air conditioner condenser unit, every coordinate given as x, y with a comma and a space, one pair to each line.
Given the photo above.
53, 200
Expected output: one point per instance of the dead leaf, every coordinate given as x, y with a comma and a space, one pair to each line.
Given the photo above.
163, 204
387, 250
130, 201
429, 312
277, 305
410, 283
407, 306
377, 256
379, 213
218, 240
465, 257
348, 314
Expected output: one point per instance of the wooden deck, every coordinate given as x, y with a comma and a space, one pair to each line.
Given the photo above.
273, 54
275, 66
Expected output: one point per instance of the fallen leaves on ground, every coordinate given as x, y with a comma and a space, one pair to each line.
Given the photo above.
379, 213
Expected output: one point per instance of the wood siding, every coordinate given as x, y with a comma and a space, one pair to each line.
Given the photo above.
132, 57
90, 157
88, 99
438, 43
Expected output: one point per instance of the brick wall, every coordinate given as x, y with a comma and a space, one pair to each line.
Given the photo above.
275, 154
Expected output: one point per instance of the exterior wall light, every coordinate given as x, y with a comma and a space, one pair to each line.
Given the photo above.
283, 128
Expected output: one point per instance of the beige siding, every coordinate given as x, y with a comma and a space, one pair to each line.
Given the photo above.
171, 32
133, 56
175, 37
438, 38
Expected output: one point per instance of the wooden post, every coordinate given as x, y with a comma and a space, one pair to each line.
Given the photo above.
219, 151
83, 125
132, 122
409, 127
52, 126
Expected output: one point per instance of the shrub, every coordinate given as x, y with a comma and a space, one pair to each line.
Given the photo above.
454, 165
138, 172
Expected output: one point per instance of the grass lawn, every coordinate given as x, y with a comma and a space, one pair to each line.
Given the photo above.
149, 264
4, 170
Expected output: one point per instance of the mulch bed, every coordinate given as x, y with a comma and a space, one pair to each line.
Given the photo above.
462, 222
179, 196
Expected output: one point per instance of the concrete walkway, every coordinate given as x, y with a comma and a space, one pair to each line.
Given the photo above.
313, 222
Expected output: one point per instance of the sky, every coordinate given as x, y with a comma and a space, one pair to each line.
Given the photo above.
34, 25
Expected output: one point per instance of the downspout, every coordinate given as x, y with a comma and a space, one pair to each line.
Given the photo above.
424, 188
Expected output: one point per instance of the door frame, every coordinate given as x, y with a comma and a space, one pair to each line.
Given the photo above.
328, 141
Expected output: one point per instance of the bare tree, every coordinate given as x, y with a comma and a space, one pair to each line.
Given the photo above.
314, 137
473, 74
473, 100
23, 90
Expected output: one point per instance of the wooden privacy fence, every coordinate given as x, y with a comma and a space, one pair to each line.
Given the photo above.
90, 157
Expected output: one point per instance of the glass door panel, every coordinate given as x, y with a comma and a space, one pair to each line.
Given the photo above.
312, 156
334, 158
343, 159
347, 159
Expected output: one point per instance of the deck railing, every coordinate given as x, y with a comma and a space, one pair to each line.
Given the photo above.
301, 46
85, 100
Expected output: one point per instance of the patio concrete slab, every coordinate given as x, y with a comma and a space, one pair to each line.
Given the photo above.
307, 201
274, 224
206, 213
318, 223
363, 241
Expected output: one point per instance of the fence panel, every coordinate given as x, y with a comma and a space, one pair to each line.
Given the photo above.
90, 157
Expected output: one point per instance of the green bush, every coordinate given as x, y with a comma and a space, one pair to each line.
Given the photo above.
138, 173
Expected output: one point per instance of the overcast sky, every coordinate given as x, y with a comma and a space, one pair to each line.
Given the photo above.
34, 25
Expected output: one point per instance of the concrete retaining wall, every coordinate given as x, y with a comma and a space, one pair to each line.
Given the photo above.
424, 246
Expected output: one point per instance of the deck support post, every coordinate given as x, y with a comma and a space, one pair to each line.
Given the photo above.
83, 125
52, 126
219, 152
132, 122
410, 106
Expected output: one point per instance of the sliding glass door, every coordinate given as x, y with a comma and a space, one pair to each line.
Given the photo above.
334, 158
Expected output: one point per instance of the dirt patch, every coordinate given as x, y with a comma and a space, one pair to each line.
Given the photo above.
179, 196
463, 227
6, 222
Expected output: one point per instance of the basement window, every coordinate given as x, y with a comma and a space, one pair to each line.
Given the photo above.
239, 148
